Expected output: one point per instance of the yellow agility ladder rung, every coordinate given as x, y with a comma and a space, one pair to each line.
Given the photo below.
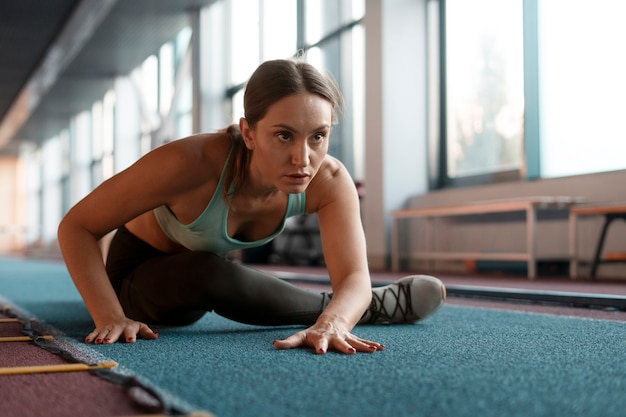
15, 320
66, 367
24, 338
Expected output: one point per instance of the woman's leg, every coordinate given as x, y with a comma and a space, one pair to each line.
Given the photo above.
185, 285
178, 289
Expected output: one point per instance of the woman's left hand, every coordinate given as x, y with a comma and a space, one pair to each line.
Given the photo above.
324, 336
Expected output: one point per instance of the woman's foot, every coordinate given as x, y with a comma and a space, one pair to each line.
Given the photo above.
407, 300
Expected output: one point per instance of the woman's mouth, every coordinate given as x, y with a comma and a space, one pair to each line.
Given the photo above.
299, 178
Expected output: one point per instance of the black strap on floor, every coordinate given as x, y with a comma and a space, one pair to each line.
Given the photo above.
569, 299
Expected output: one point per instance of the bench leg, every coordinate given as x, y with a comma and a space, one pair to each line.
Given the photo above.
395, 247
430, 241
531, 244
596, 258
573, 246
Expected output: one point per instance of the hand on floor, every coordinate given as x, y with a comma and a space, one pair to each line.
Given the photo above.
324, 336
110, 332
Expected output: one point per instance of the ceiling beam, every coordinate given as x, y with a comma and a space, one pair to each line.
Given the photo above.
79, 28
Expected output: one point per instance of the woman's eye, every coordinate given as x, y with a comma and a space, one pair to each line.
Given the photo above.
284, 136
319, 137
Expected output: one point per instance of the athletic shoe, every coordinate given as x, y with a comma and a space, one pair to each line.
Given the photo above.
407, 300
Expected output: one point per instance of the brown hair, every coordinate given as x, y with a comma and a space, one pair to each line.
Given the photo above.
271, 82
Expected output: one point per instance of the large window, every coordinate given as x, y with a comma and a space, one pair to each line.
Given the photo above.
531, 90
582, 86
484, 87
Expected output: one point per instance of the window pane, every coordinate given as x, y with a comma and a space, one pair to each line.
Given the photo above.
582, 86
166, 78
80, 157
182, 43
278, 30
484, 83
237, 106
97, 122
184, 121
358, 9
325, 16
322, 17
244, 51
184, 125
356, 103
108, 134
149, 80
52, 192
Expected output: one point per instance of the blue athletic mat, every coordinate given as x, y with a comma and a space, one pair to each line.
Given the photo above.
461, 362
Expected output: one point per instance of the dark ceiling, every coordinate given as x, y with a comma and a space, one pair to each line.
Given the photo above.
59, 56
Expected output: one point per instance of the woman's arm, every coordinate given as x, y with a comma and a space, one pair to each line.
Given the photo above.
84, 262
123, 197
336, 202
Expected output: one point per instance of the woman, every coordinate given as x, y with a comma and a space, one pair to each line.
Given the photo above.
183, 206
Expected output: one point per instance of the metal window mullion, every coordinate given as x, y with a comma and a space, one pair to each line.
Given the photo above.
196, 96
531, 162
443, 178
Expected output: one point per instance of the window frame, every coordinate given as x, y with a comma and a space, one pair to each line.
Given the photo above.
529, 164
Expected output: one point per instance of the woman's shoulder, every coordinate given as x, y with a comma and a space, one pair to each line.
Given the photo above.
206, 144
331, 169
205, 151
331, 182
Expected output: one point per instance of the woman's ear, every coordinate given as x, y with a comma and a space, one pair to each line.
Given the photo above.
246, 133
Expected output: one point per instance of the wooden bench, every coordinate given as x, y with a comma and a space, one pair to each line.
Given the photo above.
610, 212
528, 205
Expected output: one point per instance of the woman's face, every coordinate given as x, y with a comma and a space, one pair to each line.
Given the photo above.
289, 144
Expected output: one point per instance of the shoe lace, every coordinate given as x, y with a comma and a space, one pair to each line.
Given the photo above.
400, 307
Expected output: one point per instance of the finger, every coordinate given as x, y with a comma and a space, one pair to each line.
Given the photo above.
321, 346
101, 334
363, 345
295, 340
91, 337
351, 344
145, 332
112, 336
342, 345
130, 334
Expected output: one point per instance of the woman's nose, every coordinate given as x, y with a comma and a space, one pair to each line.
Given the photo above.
300, 155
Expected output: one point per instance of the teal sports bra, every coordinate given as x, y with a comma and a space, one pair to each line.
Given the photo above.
209, 231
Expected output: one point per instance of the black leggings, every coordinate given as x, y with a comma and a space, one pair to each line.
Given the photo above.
179, 288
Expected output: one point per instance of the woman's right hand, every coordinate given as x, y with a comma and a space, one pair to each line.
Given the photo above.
129, 330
